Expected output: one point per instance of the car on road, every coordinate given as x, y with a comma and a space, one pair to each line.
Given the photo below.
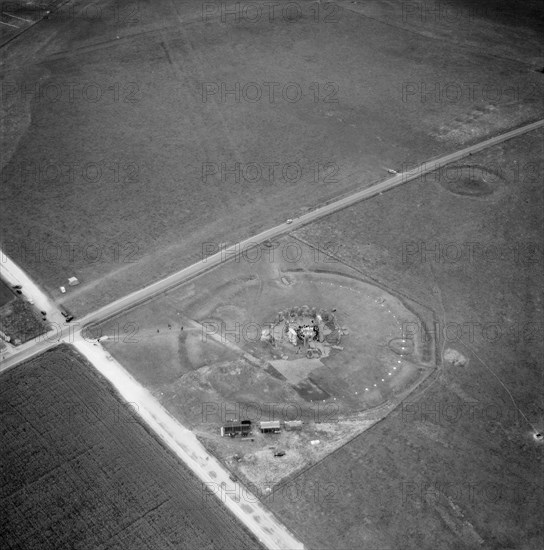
289, 221
232, 477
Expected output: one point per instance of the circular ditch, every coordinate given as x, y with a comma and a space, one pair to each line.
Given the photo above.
471, 181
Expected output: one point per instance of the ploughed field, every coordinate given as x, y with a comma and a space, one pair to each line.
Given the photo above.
79, 469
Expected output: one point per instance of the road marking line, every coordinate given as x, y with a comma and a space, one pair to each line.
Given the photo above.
9, 24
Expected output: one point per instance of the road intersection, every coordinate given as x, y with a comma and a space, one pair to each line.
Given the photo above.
183, 442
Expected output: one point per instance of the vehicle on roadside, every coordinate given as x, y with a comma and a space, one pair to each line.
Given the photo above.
69, 318
232, 477
289, 221
17, 287
279, 453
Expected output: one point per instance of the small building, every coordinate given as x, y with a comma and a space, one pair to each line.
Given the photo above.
271, 426
73, 281
233, 429
62, 289
293, 425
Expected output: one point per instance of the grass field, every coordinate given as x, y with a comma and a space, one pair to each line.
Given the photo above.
198, 348
456, 465
79, 470
133, 141
108, 184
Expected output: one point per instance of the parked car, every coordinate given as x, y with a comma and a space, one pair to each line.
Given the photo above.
69, 318
279, 453
232, 477
17, 287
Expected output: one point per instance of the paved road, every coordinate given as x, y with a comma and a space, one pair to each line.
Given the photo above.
17, 17
244, 505
214, 476
14, 275
240, 501
214, 260
259, 520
